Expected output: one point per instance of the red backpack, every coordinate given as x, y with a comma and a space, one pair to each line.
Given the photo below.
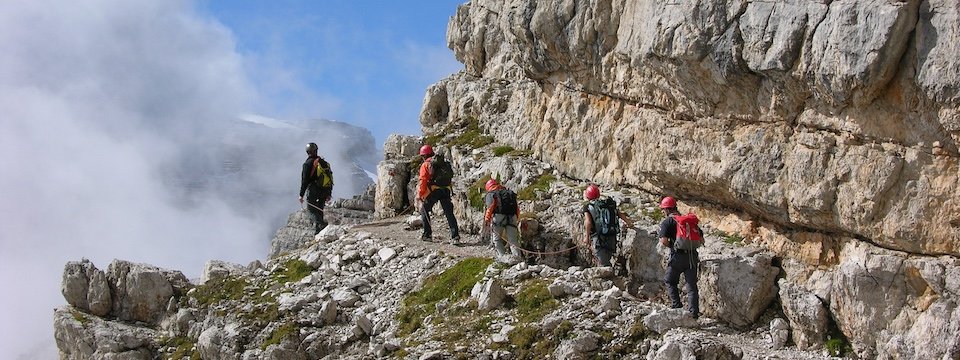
689, 236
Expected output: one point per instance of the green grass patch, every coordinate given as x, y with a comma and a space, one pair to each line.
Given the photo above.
182, 348
217, 290
542, 184
472, 137
454, 284
502, 150
730, 238
475, 193
279, 334
292, 270
529, 343
534, 301
837, 344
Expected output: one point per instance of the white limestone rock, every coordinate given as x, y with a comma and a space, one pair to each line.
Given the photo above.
86, 288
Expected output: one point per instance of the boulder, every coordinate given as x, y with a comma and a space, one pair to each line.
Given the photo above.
491, 295
141, 292
401, 146
392, 179
220, 342
660, 321
81, 336
807, 314
779, 333
216, 269
328, 312
578, 347
86, 288
741, 286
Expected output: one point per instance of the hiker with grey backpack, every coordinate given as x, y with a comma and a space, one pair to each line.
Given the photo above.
602, 222
500, 221
682, 235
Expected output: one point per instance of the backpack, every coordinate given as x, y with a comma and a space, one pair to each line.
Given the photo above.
605, 219
506, 201
689, 236
323, 172
442, 171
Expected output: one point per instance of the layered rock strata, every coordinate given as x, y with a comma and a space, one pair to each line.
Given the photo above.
824, 131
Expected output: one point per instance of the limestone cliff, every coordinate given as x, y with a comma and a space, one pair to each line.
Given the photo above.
832, 117
825, 131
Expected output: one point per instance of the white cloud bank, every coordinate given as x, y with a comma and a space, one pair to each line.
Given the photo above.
94, 96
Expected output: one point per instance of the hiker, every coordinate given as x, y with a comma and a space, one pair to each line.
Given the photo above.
500, 220
683, 257
602, 223
316, 181
436, 175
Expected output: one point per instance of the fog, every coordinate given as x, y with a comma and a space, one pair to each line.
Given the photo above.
106, 108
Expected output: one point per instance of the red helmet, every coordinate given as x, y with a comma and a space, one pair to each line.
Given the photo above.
668, 202
426, 150
491, 184
592, 192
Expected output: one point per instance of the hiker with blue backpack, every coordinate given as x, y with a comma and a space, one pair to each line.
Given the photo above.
501, 221
682, 235
316, 183
602, 222
436, 177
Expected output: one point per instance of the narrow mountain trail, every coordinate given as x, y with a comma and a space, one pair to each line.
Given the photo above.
396, 229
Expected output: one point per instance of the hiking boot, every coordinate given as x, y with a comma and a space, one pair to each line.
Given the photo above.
426, 239
455, 241
676, 306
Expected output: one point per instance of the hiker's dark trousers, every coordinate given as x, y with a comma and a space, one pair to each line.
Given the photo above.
604, 247
685, 263
443, 196
316, 199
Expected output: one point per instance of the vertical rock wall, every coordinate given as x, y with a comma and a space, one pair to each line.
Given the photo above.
827, 131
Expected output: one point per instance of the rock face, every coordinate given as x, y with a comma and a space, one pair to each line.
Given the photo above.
821, 115
85, 287
141, 292
394, 174
813, 127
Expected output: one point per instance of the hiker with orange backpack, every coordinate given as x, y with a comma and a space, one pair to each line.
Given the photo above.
436, 177
602, 222
682, 234
316, 182
501, 220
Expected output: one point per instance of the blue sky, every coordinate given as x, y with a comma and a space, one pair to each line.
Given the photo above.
122, 87
367, 63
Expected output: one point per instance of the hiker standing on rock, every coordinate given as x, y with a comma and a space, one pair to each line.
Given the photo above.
602, 223
316, 181
500, 220
683, 236
436, 176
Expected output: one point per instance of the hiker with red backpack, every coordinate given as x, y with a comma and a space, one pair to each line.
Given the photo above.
316, 182
602, 222
500, 221
436, 176
682, 234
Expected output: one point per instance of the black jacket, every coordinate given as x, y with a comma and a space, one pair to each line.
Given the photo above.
308, 177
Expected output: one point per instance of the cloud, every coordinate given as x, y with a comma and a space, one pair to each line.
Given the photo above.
97, 99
